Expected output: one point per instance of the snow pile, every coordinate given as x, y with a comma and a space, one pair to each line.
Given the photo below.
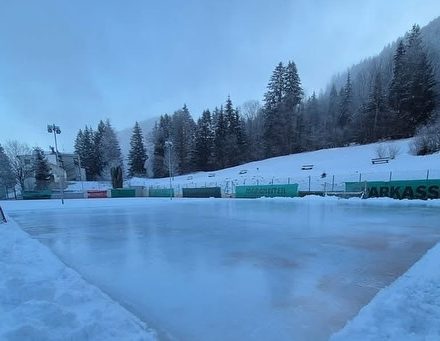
42, 299
409, 309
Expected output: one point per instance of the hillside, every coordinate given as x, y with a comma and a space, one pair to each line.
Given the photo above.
345, 164
362, 74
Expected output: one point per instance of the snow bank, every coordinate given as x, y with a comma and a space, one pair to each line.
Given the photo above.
409, 309
42, 299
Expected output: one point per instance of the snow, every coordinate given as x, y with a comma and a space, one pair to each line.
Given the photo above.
42, 299
409, 309
238, 269
345, 164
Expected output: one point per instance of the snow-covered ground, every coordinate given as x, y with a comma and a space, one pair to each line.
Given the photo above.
409, 309
339, 164
236, 269
43, 299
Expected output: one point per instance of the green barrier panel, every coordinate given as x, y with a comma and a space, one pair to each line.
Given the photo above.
403, 189
202, 192
36, 195
123, 193
270, 191
161, 192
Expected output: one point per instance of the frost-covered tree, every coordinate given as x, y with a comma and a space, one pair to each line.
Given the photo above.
15, 150
7, 177
109, 150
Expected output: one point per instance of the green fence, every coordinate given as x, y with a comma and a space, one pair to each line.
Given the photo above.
404, 189
202, 192
271, 191
161, 192
36, 195
123, 193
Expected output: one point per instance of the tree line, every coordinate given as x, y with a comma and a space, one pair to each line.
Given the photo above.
394, 98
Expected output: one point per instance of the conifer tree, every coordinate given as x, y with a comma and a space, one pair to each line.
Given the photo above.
375, 113
137, 154
346, 108
204, 142
109, 150
220, 134
182, 136
42, 170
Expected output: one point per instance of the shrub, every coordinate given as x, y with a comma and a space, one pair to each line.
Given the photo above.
427, 139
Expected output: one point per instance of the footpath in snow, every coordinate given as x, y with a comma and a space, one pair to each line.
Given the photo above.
42, 299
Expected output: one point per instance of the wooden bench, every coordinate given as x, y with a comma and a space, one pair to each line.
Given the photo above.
380, 160
307, 167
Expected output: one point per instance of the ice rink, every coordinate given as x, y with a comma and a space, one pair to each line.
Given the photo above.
236, 269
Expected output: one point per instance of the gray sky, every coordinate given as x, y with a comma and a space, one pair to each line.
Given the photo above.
75, 62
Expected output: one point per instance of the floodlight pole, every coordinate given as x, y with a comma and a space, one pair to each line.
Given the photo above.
56, 130
169, 145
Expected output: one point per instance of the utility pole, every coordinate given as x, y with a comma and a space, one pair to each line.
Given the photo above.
52, 128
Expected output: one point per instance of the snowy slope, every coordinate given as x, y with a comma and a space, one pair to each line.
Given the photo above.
345, 164
42, 299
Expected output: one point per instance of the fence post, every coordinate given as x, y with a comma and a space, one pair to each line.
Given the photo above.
391, 175
309, 182
427, 174
288, 180
333, 183
360, 177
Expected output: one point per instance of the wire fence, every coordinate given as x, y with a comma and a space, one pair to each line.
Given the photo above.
313, 182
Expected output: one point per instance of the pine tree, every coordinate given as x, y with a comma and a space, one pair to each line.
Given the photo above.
420, 81
85, 148
162, 133
275, 89
110, 150
397, 90
7, 177
292, 90
99, 164
346, 108
375, 113
137, 154
204, 142
42, 170
182, 136
220, 132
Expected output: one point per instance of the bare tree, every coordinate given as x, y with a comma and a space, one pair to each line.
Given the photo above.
14, 149
250, 109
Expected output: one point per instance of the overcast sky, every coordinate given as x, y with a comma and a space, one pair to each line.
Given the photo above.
75, 62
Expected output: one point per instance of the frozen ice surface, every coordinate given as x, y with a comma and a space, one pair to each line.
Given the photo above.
42, 299
231, 269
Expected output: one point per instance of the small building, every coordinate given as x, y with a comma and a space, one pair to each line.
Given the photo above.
68, 168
